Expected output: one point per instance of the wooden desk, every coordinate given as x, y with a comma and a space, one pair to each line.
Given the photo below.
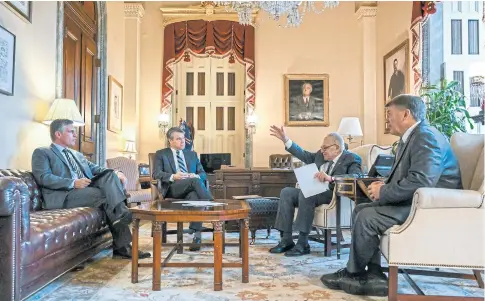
226, 183
355, 188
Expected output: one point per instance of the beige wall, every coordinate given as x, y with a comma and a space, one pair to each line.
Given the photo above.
22, 113
393, 23
116, 68
315, 48
150, 80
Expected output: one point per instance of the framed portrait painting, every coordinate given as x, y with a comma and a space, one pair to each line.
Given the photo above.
22, 8
306, 100
115, 105
7, 61
396, 74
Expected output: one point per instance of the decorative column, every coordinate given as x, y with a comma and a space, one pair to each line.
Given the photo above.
134, 12
366, 14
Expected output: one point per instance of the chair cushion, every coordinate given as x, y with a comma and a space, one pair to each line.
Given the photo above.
52, 230
144, 195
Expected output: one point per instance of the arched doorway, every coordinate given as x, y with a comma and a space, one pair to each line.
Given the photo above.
81, 70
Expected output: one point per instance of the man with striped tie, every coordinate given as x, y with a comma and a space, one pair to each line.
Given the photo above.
69, 180
181, 174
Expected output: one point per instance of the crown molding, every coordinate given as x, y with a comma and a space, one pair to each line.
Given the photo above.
207, 10
134, 10
366, 11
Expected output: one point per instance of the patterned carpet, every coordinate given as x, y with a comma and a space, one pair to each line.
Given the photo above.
271, 277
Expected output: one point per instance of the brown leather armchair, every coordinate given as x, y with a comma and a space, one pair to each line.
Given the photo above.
37, 245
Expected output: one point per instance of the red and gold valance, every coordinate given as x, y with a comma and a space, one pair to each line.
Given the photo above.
208, 38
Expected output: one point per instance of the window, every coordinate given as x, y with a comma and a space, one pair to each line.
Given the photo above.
477, 6
473, 37
458, 76
477, 84
456, 37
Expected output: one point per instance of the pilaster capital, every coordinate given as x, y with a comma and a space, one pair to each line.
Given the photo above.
134, 11
366, 11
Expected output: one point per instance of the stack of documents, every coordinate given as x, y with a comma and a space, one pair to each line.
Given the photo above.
309, 185
199, 203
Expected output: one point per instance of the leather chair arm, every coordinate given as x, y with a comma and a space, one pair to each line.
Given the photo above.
432, 198
14, 197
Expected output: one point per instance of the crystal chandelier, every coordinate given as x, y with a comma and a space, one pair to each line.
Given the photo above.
292, 10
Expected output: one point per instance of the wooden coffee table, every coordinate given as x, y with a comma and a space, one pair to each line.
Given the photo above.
160, 212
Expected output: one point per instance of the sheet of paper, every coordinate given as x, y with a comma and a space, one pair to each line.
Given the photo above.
199, 203
309, 185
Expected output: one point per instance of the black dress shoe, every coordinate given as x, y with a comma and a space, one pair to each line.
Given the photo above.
298, 250
125, 253
282, 247
334, 280
196, 240
373, 283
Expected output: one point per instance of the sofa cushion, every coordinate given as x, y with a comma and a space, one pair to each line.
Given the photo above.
52, 230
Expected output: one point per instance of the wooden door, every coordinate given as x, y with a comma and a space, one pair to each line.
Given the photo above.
80, 68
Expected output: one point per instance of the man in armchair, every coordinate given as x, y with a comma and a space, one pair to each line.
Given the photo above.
181, 175
332, 159
424, 158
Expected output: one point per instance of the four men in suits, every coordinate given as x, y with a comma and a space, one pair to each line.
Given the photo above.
331, 159
68, 180
181, 175
424, 158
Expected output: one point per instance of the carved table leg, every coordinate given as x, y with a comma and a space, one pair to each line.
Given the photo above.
245, 255
218, 255
134, 250
157, 255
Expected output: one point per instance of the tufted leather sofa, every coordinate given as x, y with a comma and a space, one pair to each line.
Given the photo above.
36, 245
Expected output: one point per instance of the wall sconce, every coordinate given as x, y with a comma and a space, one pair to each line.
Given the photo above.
130, 148
163, 120
251, 122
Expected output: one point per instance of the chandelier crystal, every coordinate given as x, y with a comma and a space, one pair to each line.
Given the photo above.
293, 11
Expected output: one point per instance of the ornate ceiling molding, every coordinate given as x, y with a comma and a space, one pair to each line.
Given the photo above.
366, 11
207, 10
134, 10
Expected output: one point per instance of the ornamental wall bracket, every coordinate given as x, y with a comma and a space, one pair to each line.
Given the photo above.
134, 10
366, 11
207, 11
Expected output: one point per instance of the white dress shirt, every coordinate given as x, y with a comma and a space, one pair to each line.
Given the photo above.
324, 166
174, 152
406, 134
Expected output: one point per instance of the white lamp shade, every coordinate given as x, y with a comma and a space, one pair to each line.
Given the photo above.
63, 108
130, 147
350, 126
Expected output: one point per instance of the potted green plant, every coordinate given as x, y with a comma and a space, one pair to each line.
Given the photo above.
446, 108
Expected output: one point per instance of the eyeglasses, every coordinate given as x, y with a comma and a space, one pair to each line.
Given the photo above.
324, 148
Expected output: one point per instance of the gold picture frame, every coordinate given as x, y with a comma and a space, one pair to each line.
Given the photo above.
396, 69
301, 108
115, 105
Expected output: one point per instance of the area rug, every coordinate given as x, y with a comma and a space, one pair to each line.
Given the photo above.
271, 277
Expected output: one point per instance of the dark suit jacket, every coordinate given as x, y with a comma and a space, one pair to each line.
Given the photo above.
348, 163
164, 167
425, 160
52, 173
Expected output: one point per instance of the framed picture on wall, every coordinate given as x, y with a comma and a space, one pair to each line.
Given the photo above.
306, 100
7, 61
22, 8
115, 105
396, 74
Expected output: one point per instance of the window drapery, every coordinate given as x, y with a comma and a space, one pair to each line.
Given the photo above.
208, 38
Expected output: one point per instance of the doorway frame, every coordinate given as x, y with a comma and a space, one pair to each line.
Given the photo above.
102, 76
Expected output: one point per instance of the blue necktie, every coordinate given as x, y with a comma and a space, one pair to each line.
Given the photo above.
75, 167
181, 162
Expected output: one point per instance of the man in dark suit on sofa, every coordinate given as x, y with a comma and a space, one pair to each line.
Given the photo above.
69, 180
181, 174
332, 159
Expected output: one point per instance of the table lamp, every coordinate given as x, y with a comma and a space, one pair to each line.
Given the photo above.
350, 127
63, 108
